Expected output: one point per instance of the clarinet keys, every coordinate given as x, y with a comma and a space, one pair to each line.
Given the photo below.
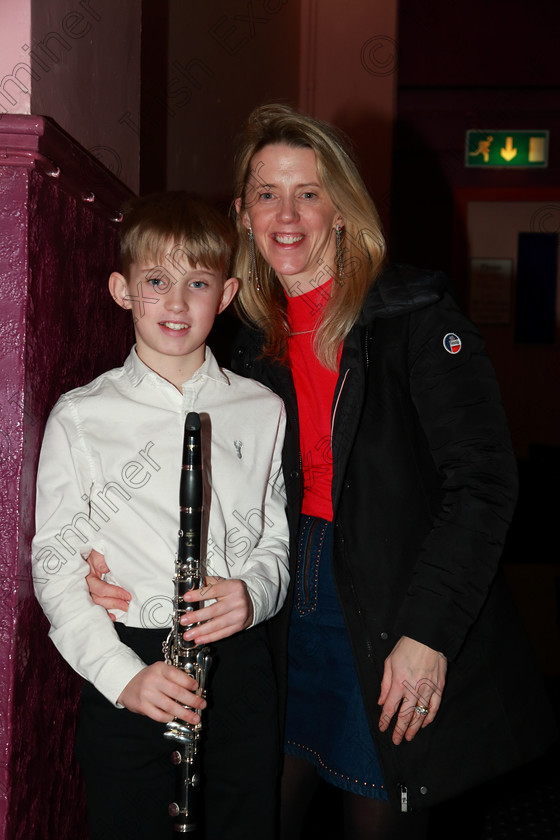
185, 655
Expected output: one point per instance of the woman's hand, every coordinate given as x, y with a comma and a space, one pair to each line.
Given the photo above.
413, 678
104, 594
232, 611
161, 692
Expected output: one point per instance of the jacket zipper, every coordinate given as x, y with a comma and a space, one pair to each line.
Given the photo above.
336, 405
366, 639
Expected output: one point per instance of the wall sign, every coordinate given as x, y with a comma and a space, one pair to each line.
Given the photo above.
490, 291
513, 149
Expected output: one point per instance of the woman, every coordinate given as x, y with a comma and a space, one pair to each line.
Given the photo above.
404, 652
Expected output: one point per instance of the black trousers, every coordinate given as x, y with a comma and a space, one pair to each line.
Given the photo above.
126, 760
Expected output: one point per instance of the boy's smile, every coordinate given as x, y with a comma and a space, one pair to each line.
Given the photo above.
174, 307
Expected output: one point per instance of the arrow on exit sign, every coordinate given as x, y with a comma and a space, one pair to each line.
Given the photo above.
507, 149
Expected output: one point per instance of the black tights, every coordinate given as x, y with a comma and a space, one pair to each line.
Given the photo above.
364, 818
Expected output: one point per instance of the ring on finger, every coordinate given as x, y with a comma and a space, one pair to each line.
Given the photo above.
422, 710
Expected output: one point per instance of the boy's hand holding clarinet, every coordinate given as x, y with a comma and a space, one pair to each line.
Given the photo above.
160, 690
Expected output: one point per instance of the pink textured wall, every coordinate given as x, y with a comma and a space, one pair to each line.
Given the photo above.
13, 277
58, 329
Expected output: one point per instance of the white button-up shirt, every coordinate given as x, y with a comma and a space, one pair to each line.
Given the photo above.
108, 479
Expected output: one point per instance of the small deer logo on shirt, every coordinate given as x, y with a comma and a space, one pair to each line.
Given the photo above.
238, 444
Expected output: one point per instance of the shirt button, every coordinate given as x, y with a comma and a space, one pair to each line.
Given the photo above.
384, 636
248, 365
294, 474
423, 790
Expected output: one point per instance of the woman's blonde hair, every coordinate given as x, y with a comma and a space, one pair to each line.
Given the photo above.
362, 241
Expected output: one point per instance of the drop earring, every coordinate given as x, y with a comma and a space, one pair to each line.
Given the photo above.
253, 271
339, 255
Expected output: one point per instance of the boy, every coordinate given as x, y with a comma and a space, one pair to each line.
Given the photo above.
108, 481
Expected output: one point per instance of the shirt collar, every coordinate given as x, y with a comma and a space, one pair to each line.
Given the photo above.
137, 371
210, 369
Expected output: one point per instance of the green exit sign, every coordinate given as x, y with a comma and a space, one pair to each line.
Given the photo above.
527, 149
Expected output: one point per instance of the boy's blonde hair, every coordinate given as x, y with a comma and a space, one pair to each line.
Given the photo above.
178, 226
363, 244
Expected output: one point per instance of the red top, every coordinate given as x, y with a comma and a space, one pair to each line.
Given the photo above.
315, 387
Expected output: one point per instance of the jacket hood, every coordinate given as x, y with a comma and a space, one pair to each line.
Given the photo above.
400, 289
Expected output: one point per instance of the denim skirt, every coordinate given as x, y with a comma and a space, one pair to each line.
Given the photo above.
326, 722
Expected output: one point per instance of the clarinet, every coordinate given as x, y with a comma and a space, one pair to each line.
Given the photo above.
193, 659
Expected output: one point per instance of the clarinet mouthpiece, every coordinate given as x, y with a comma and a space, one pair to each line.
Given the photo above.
192, 423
